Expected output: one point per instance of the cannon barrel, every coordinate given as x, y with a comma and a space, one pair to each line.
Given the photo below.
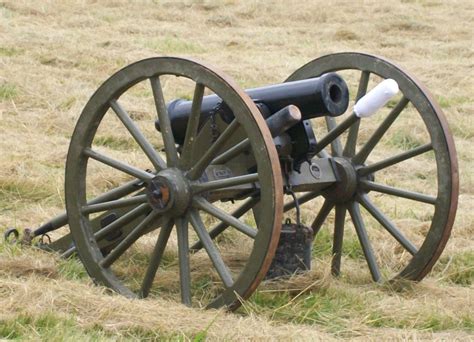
326, 95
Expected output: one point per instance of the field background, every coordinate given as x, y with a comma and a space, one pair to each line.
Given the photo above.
54, 54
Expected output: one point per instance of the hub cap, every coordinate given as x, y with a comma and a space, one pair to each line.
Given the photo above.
169, 192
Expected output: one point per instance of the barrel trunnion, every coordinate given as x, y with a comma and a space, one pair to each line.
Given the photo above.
195, 211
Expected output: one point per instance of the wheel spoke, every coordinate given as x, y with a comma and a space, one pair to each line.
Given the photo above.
363, 83
155, 258
193, 125
95, 208
118, 192
395, 159
112, 227
336, 146
224, 183
122, 221
165, 124
149, 150
203, 204
133, 171
183, 254
416, 196
222, 226
211, 250
321, 217
129, 240
334, 133
364, 152
235, 150
387, 224
364, 241
301, 200
349, 148
197, 170
323, 154
338, 239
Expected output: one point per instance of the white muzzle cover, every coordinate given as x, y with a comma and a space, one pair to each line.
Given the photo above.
376, 98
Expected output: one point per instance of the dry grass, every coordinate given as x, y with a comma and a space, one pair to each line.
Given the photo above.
53, 55
24, 292
35, 288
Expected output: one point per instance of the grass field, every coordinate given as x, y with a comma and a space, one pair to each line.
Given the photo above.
54, 54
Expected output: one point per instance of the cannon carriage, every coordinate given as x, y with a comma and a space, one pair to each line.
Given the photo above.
203, 192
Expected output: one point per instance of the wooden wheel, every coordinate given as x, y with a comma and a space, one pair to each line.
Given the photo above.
175, 195
409, 197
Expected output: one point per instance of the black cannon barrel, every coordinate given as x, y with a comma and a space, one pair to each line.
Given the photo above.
326, 95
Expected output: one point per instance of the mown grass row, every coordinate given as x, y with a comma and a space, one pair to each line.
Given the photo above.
335, 307
52, 327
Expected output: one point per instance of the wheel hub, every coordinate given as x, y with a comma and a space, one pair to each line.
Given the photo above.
345, 189
169, 192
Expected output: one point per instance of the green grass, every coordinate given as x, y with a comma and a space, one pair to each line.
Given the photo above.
448, 102
322, 245
419, 214
143, 334
457, 269
184, 95
336, 309
10, 249
174, 45
392, 103
48, 327
5, 12
115, 143
8, 91
404, 140
51, 327
351, 247
9, 51
431, 321
72, 269
329, 308
22, 189
67, 103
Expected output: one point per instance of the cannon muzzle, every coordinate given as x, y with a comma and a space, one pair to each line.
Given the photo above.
322, 96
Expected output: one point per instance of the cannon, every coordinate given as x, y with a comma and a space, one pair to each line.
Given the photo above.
325, 95
192, 207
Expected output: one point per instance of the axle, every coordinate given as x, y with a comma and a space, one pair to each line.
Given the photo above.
315, 97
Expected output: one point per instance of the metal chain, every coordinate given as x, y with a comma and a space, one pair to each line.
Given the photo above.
297, 206
214, 131
289, 190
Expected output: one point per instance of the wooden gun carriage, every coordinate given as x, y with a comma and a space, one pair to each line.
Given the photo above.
208, 175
